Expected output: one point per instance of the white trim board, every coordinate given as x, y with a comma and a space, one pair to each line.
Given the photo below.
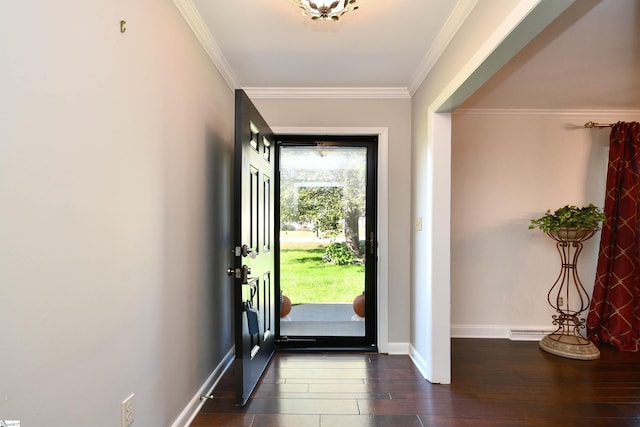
327, 92
195, 404
419, 362
460, 13
383, 212
399, 348
546, 112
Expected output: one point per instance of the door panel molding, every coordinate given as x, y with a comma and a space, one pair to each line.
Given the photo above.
383, 213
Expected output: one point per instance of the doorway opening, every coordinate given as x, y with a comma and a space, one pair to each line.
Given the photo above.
326, 248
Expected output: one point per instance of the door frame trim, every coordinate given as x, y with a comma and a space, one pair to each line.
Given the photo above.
383, 212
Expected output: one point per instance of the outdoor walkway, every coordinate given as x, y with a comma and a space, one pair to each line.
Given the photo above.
322, 319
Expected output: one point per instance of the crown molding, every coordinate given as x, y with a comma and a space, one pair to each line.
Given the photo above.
328, 92
200, 30
547, 112
193, 19
444, 37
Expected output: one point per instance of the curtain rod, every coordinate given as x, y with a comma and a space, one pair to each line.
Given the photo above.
590, 125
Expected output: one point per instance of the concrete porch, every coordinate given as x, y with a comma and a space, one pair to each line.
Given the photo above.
322, 319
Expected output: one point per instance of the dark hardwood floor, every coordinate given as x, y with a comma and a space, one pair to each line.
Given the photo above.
494, 383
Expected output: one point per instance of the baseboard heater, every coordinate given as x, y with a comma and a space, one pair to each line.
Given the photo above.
528, 334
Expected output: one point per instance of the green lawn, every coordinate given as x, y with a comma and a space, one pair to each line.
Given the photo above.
304, 278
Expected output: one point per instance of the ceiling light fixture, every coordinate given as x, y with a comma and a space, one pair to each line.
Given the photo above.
326, 10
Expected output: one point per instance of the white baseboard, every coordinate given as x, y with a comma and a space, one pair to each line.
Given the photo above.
479, 331
418, 361
396, 348
195, 404
515, 333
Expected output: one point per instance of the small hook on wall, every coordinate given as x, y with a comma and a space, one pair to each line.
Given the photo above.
123, 26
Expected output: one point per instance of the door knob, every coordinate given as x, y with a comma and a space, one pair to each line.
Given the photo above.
240, 273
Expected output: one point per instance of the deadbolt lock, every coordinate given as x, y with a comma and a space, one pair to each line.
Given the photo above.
245, 251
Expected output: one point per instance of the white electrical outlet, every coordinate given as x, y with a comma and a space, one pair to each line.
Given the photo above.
560, 301
127, 411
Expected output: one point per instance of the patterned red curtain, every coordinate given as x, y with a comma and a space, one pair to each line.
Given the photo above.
614, 312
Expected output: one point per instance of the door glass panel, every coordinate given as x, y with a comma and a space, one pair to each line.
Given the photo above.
322, 239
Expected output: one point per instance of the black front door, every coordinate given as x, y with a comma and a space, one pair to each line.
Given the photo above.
254, 304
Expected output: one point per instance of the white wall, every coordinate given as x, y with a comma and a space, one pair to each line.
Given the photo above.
395, 114
114, 220
507, 168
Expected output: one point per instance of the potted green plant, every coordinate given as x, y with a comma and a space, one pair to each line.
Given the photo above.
570, 222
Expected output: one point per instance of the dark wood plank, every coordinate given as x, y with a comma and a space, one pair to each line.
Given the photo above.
223, 419
494, 383
370, 421
286, 420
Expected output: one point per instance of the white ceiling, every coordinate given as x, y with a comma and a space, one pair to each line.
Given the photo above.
268, 43
588, 58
